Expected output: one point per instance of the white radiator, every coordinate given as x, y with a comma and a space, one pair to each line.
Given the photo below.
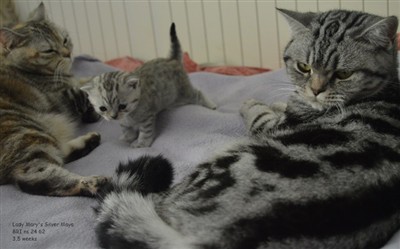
228, 32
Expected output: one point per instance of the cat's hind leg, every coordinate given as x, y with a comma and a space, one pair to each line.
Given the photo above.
42, 176
260, 118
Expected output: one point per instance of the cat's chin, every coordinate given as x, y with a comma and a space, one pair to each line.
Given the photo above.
316, 105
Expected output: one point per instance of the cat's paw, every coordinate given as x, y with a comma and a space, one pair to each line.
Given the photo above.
90, 185
259, 117
90, 116
247, 105
92, 141
279, 107
140, 144
127, 139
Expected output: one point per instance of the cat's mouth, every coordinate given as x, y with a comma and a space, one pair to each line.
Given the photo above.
117, 116
316, 101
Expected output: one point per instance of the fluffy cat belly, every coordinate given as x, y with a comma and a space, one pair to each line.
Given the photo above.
60, 126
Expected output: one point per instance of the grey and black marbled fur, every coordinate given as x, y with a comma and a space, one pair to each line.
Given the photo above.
137, 97
40, 106
322, 171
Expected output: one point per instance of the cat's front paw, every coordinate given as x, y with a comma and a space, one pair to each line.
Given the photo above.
129, 135
259, 117
140, 144
247, 105
90, 116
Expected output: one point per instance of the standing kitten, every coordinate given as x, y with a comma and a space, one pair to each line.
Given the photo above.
39, 109
136, 98
321, 172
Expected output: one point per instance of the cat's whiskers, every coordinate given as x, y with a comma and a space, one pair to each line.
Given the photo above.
57, 72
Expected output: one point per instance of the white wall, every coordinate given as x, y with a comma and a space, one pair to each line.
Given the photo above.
241, 32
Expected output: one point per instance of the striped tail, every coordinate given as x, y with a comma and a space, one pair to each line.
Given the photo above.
126, 215
176, 51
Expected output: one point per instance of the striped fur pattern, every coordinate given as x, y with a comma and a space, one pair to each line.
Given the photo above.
322, 171
137, 97
39, 109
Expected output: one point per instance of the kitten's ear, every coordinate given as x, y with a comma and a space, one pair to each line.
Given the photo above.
39, 14
298, 21
382, 33
133, 82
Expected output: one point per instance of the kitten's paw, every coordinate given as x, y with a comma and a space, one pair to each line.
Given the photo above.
140, 144
89, 186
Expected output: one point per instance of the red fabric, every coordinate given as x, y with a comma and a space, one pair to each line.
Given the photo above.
398, 41
128, 64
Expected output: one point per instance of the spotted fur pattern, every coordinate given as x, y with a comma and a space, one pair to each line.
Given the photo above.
321, 171
136, 98
39, 109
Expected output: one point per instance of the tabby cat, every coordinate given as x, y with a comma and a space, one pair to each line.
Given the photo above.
136, 98
322, 171
39, 108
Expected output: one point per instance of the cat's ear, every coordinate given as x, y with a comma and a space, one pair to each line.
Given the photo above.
133, 82
9, 38
298, 21
381, 33
87, 86
39, 14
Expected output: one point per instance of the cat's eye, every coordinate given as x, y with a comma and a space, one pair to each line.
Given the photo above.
65, 41
121, 107
342, 74
48, 51
103, 108
304, 68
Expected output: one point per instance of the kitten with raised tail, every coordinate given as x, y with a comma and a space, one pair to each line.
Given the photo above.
39, 109
135, 98
321, 171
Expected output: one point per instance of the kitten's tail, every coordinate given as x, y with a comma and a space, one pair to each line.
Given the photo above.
176, 51
126, 215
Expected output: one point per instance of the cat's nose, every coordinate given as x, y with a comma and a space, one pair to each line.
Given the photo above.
318, 84
66, 53
114, 116
317, 91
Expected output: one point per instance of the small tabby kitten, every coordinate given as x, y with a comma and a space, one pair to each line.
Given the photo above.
136, 98
322, 171
39, 108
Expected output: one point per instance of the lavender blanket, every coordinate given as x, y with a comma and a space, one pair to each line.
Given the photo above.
187, 136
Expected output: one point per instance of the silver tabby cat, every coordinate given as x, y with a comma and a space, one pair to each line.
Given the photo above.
136, 98
39, 108
322, 171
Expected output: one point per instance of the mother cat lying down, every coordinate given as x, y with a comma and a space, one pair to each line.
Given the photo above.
39, 108
322, 171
